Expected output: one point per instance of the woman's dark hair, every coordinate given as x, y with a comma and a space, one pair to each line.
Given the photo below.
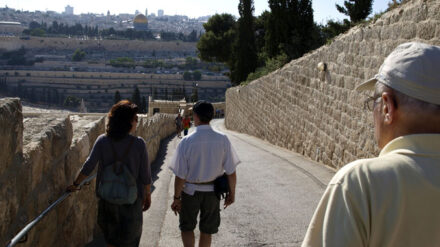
120, 117
204, 110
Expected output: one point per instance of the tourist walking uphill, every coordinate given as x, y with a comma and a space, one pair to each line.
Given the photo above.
124, 177
393, 199
178, 121
199, 159
186, 124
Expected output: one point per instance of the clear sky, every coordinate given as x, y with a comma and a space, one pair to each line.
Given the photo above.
324, 9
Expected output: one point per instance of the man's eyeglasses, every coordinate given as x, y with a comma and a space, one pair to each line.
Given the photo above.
370, 102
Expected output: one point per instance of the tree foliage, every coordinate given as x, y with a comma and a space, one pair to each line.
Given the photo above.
195, 95
290, 28
19, 57
216, 43
78, 55
245, 52
144, 105
194, 76
357, 10
197, 75
136, 97
72, 101
62, 29
187, 76
334, 28
117, 97
126, 62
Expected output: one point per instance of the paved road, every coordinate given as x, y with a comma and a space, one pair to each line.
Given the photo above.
277, 192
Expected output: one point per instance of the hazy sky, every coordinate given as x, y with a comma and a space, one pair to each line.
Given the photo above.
324, 9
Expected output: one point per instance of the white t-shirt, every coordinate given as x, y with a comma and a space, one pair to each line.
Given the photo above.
202, 157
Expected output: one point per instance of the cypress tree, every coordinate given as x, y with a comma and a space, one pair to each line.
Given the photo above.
357, 10
276, 27
117, 97
144, 108
136, 98
289, 28
245, 49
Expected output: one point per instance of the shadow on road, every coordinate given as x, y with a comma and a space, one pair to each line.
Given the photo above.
158, 163
156, 167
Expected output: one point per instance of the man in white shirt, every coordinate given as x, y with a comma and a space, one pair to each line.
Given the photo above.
393, 199
199, 159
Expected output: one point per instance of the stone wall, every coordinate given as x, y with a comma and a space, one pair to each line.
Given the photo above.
154, 129
319, 114
165, 106
41, 155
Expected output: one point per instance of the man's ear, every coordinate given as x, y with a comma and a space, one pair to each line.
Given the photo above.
388, 108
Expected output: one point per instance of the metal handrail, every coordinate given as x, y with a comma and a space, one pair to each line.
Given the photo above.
28, 227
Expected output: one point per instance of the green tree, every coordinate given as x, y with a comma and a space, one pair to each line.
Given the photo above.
192, 37
123, 62
166, 93
144, 107
276, 28
38, 32
136, 97
71, 101
187, 76
260, 32
245, 52
78, 55
34, 24
117, 97
197, 76
308, 32
216, 43
334, 28
357, 10
154, 93
191, 63
195, 95
290, 28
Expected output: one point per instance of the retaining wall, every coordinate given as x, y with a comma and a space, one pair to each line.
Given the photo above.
319, 114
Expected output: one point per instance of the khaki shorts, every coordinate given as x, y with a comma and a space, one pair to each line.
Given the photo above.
209, 207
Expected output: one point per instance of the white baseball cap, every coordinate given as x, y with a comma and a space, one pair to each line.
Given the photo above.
413, 69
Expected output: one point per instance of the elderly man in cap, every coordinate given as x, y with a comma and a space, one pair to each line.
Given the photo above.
393, 199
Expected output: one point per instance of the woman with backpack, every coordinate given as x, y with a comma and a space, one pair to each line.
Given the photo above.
123, 182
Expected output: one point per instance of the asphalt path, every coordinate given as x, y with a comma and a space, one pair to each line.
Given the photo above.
277, 193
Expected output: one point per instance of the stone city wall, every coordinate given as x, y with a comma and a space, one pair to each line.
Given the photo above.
319, 114
41, 154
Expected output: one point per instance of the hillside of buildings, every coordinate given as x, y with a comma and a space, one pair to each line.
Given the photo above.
60, 59
156, 23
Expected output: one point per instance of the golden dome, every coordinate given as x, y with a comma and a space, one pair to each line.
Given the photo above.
141, 19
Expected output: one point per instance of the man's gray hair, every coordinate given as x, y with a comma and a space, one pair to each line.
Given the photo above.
408, 100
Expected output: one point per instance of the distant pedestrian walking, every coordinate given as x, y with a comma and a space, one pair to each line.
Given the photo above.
186, 124
199, 159
178, 122
393, 199
123, 182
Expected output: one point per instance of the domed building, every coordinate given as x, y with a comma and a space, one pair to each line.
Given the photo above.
140, 22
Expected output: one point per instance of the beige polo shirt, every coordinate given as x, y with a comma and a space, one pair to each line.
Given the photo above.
391, 200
